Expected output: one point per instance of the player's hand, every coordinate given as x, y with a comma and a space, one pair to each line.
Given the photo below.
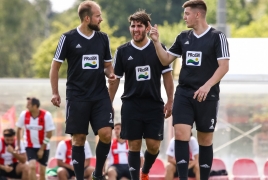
17, 149
111, 78
201, 93
56, 100
8, 169
10, 149
153, 32
40, 153
168, 109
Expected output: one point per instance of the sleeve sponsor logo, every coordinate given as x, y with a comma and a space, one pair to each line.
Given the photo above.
90, 61
193, 58
143, 73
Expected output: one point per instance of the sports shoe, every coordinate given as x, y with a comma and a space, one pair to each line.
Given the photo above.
97, 178
144, 176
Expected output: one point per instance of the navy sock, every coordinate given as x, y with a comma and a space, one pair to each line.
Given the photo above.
78, 159
102, 151
134, 162
149, 160
182, 158
205, 161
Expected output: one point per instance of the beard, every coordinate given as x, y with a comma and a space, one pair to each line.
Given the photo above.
93, 27
143, 35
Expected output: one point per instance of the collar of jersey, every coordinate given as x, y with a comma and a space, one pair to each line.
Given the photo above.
140, 48
87, 37
199, 36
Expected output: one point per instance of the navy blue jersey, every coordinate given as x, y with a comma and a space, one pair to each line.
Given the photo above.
200, 56
142, 70
85, 57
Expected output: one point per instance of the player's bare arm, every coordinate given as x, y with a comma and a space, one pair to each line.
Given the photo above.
109, 72
112, 89
169, 86
54, 78
18, 139
62, 164
172, 160
40, 152
202, 92
162, 54
20, 157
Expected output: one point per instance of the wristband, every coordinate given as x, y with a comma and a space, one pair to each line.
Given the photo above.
46, 140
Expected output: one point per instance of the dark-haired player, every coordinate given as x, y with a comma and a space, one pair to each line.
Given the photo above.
87, 51
12, 162
143, 110
38, 127
205, 60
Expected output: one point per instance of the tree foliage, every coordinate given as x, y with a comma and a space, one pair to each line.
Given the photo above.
119, 11
42, 59
253, 30
21, 29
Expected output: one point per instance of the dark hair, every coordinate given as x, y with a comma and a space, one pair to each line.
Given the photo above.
199, 4
9, 132
84, 9
34, 101
140, 16
117, 124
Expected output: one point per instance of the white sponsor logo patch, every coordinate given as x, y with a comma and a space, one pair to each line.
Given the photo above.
193, 58
90, 61
143, 73
34, 127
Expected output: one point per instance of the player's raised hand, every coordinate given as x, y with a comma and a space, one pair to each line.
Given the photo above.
56, 100
153, 32
111, 78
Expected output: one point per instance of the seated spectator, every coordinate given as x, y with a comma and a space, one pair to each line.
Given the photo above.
65, 163
12, 162
193, 168
118, 168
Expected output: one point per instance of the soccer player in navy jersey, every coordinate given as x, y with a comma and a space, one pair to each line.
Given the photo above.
205, 60
143, 110
88, 55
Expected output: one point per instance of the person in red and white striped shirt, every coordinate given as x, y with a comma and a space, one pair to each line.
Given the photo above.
12, 163
65, 163
193, 167
118, 157
38, 126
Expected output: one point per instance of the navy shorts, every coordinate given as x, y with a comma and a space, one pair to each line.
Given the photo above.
80, 113
122, 170
142, 120
32, 154
11, 174
187, 110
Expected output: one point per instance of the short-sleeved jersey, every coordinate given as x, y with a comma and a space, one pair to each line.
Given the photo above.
64, 151
193, 148
7, 158
142, 70
85, 57
119, 153
200, 55
35, 128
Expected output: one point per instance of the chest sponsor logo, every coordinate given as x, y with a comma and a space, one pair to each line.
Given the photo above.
193, 58
34, 127
90, 61
143, 73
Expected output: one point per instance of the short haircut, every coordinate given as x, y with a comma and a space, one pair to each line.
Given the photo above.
34, 101
140, 16
9, 132
85, 9
117, 124
198, 4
